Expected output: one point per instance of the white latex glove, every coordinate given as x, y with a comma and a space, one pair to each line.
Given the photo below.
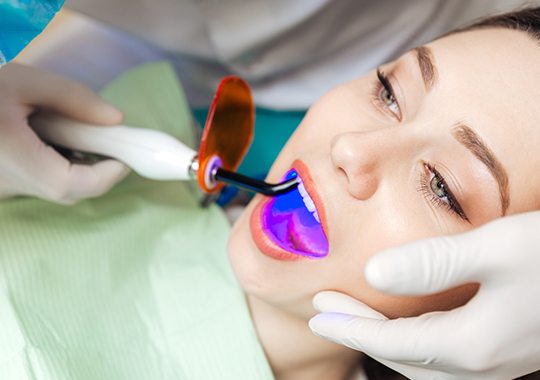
27, 165
494, 336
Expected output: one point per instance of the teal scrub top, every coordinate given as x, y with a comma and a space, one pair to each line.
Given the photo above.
21, 21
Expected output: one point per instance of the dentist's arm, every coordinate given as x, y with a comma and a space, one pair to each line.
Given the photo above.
494, 336
27, 165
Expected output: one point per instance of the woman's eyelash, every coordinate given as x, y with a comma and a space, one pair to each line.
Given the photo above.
436, 190
383, 96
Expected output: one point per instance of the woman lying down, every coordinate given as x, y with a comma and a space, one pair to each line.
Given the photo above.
141, 284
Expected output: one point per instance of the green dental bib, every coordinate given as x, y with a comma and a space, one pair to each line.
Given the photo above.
132, 285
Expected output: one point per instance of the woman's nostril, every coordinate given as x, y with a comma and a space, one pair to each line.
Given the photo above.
342, 173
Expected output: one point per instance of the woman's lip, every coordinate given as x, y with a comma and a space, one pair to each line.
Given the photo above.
311, 189
263, 242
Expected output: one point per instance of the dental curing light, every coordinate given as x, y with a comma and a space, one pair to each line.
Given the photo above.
226, 137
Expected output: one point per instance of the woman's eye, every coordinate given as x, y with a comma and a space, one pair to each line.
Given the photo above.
435, 189
438, 187
390, 101
384, 97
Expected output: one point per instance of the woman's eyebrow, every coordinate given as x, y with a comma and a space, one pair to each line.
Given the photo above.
424, 56
468, 138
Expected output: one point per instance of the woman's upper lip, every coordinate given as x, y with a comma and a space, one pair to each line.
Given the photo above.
303, 171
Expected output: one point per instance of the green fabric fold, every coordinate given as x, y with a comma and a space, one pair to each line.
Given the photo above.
132, 285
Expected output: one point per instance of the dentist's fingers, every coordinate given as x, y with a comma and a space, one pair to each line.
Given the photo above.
90, 181
433, 265
421, 339
60, 181
493, 336
331, 301
44, 89
30, 167
436, 264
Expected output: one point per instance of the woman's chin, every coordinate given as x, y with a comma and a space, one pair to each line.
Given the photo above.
263, 277
241, 251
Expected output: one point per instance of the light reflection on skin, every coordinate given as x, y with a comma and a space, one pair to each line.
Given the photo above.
367, 164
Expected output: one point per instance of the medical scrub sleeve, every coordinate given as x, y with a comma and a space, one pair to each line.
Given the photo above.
21, 21
132, 285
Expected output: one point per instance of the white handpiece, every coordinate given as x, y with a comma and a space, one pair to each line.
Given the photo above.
152, 154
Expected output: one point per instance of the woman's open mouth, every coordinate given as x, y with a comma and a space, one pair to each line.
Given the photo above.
290, 226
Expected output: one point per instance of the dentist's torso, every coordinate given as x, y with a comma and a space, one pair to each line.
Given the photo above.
290, 51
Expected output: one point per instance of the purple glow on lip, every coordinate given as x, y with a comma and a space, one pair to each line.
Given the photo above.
290, 225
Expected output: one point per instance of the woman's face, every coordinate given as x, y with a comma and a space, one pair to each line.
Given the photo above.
443, 140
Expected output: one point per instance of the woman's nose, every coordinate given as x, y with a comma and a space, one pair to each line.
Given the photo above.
360, 156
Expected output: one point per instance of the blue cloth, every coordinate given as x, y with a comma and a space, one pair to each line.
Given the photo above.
272, 130
21, 21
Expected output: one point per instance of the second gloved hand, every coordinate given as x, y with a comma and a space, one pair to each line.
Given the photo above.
496, 335
30, 167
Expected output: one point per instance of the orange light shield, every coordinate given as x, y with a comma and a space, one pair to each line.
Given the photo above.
228, 131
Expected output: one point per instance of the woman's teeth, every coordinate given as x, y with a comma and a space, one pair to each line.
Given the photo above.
292, 222
308, 202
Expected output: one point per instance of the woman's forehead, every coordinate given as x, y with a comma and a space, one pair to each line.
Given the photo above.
489, 78
495, 55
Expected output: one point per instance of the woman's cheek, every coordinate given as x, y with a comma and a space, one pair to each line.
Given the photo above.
401, 307
352, 280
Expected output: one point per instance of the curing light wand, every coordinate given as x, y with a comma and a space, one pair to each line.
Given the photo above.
255, 185
216, 173
153, 154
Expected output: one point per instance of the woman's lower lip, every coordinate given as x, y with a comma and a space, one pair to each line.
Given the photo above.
262, 241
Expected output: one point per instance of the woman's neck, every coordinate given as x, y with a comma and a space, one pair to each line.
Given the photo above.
292, 349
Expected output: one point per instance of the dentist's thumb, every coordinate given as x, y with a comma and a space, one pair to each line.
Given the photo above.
435, 264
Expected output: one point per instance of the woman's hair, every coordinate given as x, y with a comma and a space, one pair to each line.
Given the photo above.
526, 20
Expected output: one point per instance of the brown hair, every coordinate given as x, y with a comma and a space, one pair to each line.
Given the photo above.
526, 20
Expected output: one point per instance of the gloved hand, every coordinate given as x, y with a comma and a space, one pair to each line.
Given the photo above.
496, 335
27, 165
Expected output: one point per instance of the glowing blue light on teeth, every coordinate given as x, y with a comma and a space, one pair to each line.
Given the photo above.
292, 221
